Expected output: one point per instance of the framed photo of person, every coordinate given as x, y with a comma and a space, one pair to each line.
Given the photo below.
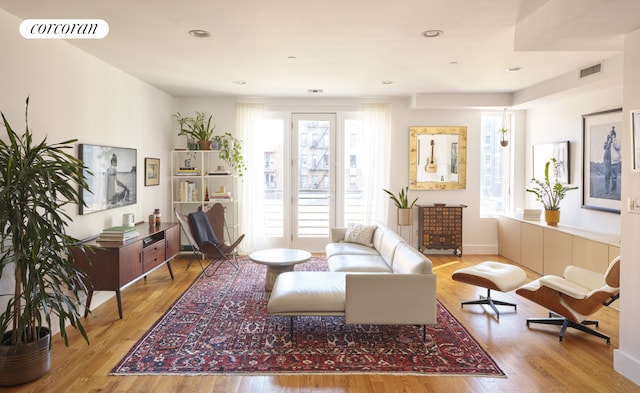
602, 160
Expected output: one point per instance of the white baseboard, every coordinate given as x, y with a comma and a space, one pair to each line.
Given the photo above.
626, 365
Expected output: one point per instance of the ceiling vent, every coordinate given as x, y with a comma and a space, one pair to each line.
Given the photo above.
594, 69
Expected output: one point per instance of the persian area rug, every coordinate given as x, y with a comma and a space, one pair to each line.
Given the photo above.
220, 325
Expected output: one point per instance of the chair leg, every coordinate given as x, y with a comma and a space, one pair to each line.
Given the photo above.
565, 323
489, 301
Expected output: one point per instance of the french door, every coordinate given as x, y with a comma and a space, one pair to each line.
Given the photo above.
313, 179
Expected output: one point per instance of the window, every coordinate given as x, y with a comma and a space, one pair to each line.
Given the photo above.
495, 164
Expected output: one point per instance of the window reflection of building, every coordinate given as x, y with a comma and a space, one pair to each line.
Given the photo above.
270, 172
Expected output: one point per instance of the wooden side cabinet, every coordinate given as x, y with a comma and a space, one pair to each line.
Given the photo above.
112, 266
440, 227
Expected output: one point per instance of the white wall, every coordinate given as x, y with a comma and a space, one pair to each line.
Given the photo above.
627, 357
75, 95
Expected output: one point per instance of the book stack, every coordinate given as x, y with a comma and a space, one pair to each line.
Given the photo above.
119, 234
528, 214
188, 192
186, 171
220, 195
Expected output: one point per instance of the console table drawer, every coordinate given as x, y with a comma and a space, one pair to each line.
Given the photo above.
153, 255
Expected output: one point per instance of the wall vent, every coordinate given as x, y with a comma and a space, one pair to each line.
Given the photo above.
594, 69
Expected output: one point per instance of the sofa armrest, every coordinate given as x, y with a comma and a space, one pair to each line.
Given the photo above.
390, 298
337, 234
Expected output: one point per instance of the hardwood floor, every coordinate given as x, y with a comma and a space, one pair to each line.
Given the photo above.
533, 359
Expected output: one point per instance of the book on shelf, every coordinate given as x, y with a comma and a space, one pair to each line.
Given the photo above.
220, 195
188, 192
186, 172
528, 214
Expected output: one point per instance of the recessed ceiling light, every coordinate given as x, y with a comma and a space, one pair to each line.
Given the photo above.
432, 33
387, 82
240, 82
292, 57
514, 69
315, 91
453, 62
199, 33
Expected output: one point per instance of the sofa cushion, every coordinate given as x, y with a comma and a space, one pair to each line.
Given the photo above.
388, 244
332, 249
408, 260
358, 263
360, 234
308, 293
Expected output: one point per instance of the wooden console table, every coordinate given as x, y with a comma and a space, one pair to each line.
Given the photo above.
441, 227
113, 266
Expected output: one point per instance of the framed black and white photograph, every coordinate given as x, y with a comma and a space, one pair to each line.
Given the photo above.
112, 177
151, 171
635, 138
544, 152
602, 160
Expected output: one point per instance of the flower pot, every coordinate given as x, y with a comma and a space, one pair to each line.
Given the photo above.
552, 217
405, 217
204, 145
26, 362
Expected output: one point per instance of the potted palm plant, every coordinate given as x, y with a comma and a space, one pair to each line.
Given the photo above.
38, 181
405, 209
198, 128
549, 193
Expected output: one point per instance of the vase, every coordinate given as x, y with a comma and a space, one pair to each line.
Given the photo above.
25, 362
405, 217
552, 217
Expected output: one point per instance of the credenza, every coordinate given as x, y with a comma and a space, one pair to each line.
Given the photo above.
548, 250
111, 266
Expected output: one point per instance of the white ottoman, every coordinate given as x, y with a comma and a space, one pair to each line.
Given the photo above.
501, 277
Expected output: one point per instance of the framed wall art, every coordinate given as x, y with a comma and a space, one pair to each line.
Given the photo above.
112, 176
602, 160
151, 171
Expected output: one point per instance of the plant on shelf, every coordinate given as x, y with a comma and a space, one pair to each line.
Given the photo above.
230, 149
199, 128
550, 193
405, 209
38, 183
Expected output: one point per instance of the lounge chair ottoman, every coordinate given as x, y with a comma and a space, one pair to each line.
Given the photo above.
501, 277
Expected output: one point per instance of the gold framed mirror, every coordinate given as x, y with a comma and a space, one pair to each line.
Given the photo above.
437, 158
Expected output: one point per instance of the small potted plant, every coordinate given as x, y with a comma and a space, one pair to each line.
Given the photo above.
405, 209
199, 128
550, 193
504, 141
38, 182
230, 149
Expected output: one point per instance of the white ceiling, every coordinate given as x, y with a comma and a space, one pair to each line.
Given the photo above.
347, 48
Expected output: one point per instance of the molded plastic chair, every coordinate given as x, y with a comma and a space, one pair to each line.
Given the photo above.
205, 233
575, 296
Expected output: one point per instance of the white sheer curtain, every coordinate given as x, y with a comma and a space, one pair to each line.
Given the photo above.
376, 123
248, 118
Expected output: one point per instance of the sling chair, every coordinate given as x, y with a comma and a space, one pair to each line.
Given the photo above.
205, 233
575, 296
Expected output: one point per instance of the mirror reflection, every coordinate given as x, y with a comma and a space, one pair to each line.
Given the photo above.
437, 158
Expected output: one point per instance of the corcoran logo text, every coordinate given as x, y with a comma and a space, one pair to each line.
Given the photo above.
64, 29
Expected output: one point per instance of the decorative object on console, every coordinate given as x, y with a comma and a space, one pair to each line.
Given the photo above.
550, 194
405, 209
602, 161
33, 247
115, 167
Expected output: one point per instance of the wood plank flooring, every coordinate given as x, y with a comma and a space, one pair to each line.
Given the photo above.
533, 359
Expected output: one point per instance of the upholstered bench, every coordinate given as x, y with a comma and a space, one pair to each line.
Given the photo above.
501, 277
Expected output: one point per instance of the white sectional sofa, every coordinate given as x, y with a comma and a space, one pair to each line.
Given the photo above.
383, 281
